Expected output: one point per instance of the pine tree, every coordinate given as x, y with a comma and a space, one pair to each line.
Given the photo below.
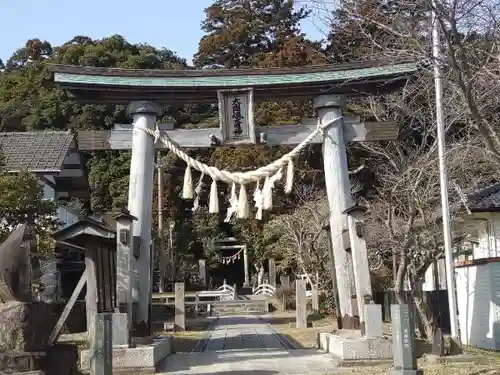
240, 32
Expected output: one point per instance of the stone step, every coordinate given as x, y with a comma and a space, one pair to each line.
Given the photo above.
245, 307
236, 306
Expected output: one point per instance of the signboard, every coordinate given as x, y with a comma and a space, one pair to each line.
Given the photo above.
103, 344
403, 344
236, 116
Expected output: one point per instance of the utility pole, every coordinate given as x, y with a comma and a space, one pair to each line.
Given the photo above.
443, 177
161, 254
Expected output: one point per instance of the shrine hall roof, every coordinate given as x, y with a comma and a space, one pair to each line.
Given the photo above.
122, 85
42, 151
485, 200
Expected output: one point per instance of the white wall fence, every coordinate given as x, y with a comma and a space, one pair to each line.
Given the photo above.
228, 292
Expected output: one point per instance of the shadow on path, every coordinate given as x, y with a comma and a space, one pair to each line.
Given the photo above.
249, 372
247, 345
298, 361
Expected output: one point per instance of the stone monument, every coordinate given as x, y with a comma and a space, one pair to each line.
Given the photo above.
405, 359
25, 325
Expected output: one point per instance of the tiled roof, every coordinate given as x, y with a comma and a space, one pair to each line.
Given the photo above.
35, 151
486, 199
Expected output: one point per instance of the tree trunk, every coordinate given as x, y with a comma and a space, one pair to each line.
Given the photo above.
399, 286
428, 324
308, 278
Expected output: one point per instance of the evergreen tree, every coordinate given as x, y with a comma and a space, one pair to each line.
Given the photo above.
238, 32
34, 50
22, 202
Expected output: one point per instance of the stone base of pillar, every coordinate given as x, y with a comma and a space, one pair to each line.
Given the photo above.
350, 322
141, 359
350, 346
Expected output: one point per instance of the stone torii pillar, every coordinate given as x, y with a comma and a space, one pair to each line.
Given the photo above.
338, 190
140, 197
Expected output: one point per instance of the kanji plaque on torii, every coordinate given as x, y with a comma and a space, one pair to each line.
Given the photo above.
237, 92
236, 117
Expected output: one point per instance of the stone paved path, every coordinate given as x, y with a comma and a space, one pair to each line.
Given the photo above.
245, 345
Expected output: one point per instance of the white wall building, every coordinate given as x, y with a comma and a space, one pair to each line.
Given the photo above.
478, 275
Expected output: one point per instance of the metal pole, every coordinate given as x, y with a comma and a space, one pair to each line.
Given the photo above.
443, 177
161, 254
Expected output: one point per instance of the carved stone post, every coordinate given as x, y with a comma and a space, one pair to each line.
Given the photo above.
124, 263
140, 196
272, 272
91, 295
285, 281
315, 298
300, 304
329, 107
180, 308
202, 271
405, 361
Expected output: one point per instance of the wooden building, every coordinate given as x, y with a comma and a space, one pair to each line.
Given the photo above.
54, 159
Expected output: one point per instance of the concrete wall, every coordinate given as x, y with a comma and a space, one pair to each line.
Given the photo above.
66, 217
434, 272
478, 292
48, 192
484, 242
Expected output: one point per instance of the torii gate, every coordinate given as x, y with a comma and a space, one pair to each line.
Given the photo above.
144, 91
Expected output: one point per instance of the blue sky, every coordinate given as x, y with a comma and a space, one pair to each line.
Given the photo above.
172, 24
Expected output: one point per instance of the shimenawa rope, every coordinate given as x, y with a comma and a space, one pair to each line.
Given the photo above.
269, 173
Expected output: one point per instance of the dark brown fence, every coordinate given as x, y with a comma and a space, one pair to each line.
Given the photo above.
437, 301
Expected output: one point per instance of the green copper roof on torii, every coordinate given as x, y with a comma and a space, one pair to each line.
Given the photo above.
227, 81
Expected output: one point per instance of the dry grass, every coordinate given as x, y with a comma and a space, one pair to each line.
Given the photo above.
434, 369
306, 338
486, 366
185, 341
182, 342
303, 338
